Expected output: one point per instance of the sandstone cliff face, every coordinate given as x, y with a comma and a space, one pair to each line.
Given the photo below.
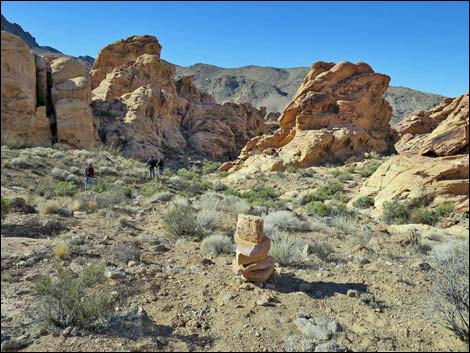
338, 111
433, 163
139, 108
23, 121
441, 131
71, 98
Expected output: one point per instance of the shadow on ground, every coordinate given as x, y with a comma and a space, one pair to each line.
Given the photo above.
289, 283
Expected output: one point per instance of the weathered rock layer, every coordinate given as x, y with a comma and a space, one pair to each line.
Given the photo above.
338, 111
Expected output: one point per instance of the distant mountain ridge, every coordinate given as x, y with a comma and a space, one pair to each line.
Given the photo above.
273, 87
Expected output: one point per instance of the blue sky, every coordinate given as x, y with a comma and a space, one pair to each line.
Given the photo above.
421, 45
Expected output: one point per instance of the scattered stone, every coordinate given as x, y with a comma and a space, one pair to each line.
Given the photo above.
422, 266
131, 264
67, 331
320, 328
114, 274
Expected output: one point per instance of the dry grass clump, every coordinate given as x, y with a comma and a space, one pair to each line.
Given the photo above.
215, 245
49, 207
61, 250
285, 249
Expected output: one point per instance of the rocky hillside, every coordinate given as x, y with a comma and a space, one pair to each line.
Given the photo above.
273, 88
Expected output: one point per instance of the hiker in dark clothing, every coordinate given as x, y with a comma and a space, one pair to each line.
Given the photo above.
151, 164
161, 165
89, 174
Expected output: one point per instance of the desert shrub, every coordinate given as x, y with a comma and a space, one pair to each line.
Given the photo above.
58, 173
345, 221
222, 203
445, 209
187, 174
325, 192
317, 208
218, 186
123, 252
215, 245
209, 167
207, 218
21, 163
292, 170
84, 202
61, 250
223, 174
107, 171
181, 220
164, 196
368, 168
49, 207
322, 250
151, 188
451, 286
101, 186
63, 188
5, 207
115, 196
58, 155
69, 300
286, 250
261, 195
364, 202
196, 187
394, 212
342, 174
284, 221
422, 215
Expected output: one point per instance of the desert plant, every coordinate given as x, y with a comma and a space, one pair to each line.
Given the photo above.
63, 188
284, 221
209, 167
317, 208
286, 250
325, 192
261, 195
5, 207
207, 218
215, 245
164, 196
451, 286
445, 209
61, 250
181, 220
394, 212
422, 215
364, 202
151, 188
21, 163
368, 168
322, 250
123, 252
218, 186
69, 300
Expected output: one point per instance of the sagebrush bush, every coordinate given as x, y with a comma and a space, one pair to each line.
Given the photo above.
451, 286
123, 252
364, 202
322, 250
445, 209
151, 188
325, 192
181, 220
115, 196
164, 196
215, 245
261, 195
21, 163
222, 203
317, 208
422, 215
58, 173
218, 186
69, 300
63, 188
284, 221
207, 218
5, 207
107, 171
285, 249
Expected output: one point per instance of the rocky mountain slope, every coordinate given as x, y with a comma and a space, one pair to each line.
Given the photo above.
273, 88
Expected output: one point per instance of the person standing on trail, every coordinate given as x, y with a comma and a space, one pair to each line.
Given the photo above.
161, 165
151, 164
89, 174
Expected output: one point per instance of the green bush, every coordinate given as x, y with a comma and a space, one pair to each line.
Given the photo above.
102, 186
181, 220
422, 215
368, 168
151, 188
68, 300
364, 202
325, 192
5, 207
187, 174
209, 167
318, 208
63, 188
445, 209
261, 195
395, 212
342, 175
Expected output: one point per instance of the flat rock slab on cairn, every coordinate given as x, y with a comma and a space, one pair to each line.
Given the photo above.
252, 261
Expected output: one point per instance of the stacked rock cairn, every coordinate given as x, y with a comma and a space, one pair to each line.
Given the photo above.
251, 260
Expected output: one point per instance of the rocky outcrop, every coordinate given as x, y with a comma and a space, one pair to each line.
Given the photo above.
24, 121
141, 109
122, 53
433, 165
441, 131
337, 112
433, 180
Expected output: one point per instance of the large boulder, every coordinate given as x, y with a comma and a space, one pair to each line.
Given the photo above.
441, 131
140, 108
407, 177
24, 121
71, 98
338, 111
